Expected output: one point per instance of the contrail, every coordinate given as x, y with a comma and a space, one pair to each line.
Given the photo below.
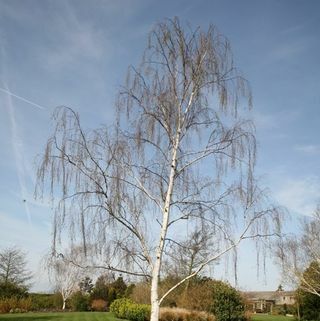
16, 143
21, 98
15, 137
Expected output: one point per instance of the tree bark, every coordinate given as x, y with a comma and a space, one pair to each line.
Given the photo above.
155, 304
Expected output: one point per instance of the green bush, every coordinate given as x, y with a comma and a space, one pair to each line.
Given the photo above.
228, 304
46, 302
80, 302
119, 306
126, 309
138, 312
310, 306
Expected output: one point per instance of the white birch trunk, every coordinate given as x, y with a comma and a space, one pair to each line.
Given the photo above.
155, 303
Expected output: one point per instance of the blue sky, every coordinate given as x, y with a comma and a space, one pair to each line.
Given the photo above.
76, 53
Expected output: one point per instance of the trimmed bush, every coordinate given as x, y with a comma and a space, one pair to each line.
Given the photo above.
126, 309
119, 307
138, 312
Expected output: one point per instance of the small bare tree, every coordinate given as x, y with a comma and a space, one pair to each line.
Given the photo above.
13, 267
299, 256
186, 255
181, 155
64, 274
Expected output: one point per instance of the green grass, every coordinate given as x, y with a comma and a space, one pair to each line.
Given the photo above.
267, 317
59, 316
101, 316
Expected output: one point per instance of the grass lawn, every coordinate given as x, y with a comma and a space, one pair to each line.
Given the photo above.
266, 317
102, 316
59, 316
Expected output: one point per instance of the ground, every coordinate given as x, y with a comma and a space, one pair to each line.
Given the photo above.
101, 316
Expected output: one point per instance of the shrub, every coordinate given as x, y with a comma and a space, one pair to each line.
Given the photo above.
119, 307
99, 305
15, 305
179, 314
138, 312
284, 309
141, 293
126, 309
228, 305
310, 306
46, 302
80, 302
198, 296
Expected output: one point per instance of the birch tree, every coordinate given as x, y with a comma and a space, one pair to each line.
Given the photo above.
299, 256
181, 156
65, 275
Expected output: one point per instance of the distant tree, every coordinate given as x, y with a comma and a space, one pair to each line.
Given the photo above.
64, 274
185, 256
280, 288
141, 293
86, 285
14, 275
9, 289
109, 290
119, 286
101, 288
182, 155
198, 295
299, 256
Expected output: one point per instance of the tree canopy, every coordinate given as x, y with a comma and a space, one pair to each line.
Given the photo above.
180, 157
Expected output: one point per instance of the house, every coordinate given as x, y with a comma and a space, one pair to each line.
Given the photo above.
265, 301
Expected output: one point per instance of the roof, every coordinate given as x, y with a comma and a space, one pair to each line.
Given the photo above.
267, 295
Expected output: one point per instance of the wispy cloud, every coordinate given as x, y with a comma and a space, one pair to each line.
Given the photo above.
287, 50
290, 44
308, 149
300, 196
293, 29
264, 120
74, 40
